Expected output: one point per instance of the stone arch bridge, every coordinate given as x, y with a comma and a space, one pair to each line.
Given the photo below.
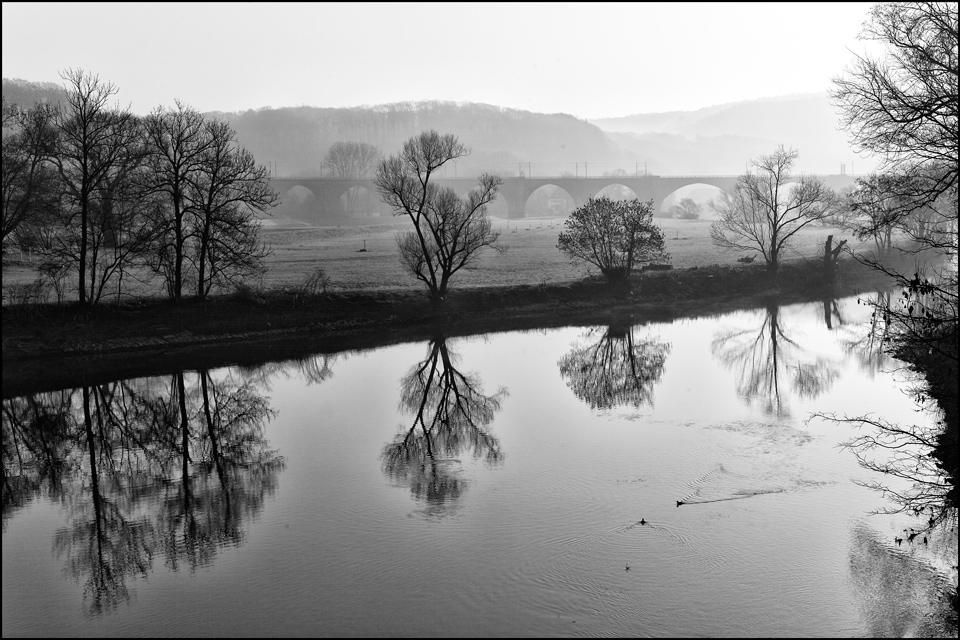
516, 191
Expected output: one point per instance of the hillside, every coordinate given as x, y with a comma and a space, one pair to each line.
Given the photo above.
719, 139
501, 139
27, 93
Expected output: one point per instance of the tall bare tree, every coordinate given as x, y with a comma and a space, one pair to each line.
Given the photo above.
93, 140
178, 142
227, 190
765, 212
449, 232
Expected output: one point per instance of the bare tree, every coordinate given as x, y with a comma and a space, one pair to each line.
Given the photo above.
874, 208
903, 106
178, 142
449, 231
352, 159
227, 190
29, 183
765, 212
93, 140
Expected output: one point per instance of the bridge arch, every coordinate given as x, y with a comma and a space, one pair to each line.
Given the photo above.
297, 202
699, 192
617, 191
359, 201
548, 200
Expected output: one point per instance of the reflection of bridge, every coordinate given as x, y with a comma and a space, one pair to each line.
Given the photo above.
516, 191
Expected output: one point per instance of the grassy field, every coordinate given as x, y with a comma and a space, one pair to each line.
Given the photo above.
530, 257
358, 255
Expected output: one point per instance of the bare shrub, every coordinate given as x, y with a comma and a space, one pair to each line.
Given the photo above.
55, 273
27, 294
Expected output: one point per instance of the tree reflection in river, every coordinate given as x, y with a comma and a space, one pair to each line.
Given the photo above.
868, 342
451, 416
37, 433
616, 370
143, 467
770, 363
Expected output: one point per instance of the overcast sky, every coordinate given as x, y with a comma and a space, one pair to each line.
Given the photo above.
589, 60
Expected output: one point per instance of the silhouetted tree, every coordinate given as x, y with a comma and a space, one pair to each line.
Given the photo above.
177, 142
93, 142
903, 105
449, 231
227, 190
765, 212
613, 235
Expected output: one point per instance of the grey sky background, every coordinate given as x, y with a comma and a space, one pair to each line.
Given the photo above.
590, 60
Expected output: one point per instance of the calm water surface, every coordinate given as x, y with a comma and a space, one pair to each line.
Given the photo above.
494, 485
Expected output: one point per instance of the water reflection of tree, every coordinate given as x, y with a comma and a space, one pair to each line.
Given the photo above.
770, 364
36, 448
225, 471
145, 467
616, 370
451, 416
868, 342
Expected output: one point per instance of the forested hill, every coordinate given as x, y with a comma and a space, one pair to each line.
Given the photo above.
26, 93
502, 140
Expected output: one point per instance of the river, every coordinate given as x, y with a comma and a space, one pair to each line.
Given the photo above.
653, 480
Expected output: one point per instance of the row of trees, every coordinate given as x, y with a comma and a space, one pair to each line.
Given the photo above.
100, 193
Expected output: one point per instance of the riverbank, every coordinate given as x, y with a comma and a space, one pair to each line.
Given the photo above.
50, 346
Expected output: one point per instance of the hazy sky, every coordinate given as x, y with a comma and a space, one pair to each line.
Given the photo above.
589, 60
